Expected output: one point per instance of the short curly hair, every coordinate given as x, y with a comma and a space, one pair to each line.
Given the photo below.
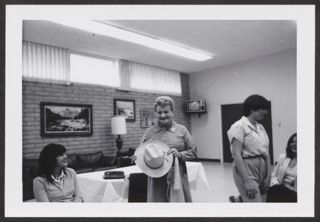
164, 101
253, 103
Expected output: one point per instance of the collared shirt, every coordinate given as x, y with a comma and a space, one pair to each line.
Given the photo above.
254, 140
177, 136
64, 189
60, 177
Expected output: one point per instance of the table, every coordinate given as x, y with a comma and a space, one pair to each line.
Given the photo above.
96, 189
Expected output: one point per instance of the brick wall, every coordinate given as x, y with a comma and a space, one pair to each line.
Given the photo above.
101, 99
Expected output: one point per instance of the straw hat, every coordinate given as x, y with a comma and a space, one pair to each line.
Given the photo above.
152, 158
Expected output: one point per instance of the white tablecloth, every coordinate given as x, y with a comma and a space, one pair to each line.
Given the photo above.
96, 189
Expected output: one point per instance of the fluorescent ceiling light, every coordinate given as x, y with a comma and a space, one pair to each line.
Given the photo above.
118, 33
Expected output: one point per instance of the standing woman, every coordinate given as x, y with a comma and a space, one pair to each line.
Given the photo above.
181, 145
56, 182
283, 186
250, 151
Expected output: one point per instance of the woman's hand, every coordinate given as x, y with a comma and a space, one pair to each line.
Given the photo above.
265, 185
133, 158
175, 152
250, 189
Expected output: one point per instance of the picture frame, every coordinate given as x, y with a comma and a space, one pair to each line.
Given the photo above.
65, 119
146, 117
125, 107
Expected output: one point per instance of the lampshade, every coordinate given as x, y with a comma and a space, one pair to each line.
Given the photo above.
118, 125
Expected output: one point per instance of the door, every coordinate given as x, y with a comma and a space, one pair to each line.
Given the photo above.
231, 113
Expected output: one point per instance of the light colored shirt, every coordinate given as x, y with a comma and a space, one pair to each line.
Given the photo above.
290, 178
255, 140
177, 136
63, 189
283, 174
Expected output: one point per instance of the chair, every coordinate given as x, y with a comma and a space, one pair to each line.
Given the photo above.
138, 187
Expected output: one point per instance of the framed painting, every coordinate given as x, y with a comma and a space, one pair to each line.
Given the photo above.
146, 117
63, 119
125, 107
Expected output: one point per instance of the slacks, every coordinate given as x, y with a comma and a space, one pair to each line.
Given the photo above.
257, 170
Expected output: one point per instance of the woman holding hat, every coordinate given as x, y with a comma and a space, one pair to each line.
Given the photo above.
250, 151
162, 145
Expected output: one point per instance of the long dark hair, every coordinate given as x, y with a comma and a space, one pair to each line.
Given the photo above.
253, 103
47, 159
289, 153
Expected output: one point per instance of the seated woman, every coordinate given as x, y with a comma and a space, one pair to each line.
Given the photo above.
55, 181
283, 186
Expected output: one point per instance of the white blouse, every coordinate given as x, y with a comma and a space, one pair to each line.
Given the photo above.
255, 141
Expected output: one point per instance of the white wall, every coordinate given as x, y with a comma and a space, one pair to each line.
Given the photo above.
272, 76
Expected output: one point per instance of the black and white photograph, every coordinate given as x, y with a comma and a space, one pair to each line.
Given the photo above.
65, 119
223, 97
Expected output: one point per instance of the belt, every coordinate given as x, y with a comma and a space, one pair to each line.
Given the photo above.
252, 157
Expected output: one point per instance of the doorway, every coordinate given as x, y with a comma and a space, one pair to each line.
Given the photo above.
230, 113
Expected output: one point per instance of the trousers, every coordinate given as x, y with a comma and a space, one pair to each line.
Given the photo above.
257, 171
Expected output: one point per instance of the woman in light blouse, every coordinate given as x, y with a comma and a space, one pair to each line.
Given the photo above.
250, 151
181, 144
283, 186
55, 182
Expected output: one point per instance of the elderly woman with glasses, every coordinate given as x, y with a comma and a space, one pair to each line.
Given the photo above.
283, 186
181, 145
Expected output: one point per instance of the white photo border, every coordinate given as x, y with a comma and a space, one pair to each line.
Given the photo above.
304, 15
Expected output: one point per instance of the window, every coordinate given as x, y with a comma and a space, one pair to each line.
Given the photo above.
154, 79
93, 70
45, 63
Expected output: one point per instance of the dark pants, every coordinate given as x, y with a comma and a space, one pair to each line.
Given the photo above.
279, 193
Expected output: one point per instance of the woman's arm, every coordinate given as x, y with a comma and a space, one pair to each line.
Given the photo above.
249, 185
39, 190
266, 182
77, 193
190, 151
275, 173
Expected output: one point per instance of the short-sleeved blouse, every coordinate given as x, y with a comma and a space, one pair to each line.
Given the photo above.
176, 137
254, 141
65, 190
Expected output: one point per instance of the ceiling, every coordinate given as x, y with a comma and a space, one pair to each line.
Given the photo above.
229, 41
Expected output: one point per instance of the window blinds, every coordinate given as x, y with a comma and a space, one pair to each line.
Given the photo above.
154, 79
45, 63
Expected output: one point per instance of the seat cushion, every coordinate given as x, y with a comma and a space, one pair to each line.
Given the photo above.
88, 159
72, 160
84, 170
107, 161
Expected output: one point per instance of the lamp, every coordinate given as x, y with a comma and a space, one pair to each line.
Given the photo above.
118, 127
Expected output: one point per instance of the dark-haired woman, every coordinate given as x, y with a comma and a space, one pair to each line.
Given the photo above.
249, 144
283, 186
56, 182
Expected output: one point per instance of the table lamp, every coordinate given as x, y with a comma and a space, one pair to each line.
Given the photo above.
118, 127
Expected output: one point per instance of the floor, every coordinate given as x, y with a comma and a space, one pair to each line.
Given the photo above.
220, 179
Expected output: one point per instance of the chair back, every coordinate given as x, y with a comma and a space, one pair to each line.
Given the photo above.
138, 184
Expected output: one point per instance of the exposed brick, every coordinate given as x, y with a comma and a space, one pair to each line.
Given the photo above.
101, 98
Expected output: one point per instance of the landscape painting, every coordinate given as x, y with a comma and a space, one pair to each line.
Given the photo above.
60, 119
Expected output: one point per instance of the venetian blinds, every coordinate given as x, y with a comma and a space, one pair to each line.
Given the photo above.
154, 79
45, 63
